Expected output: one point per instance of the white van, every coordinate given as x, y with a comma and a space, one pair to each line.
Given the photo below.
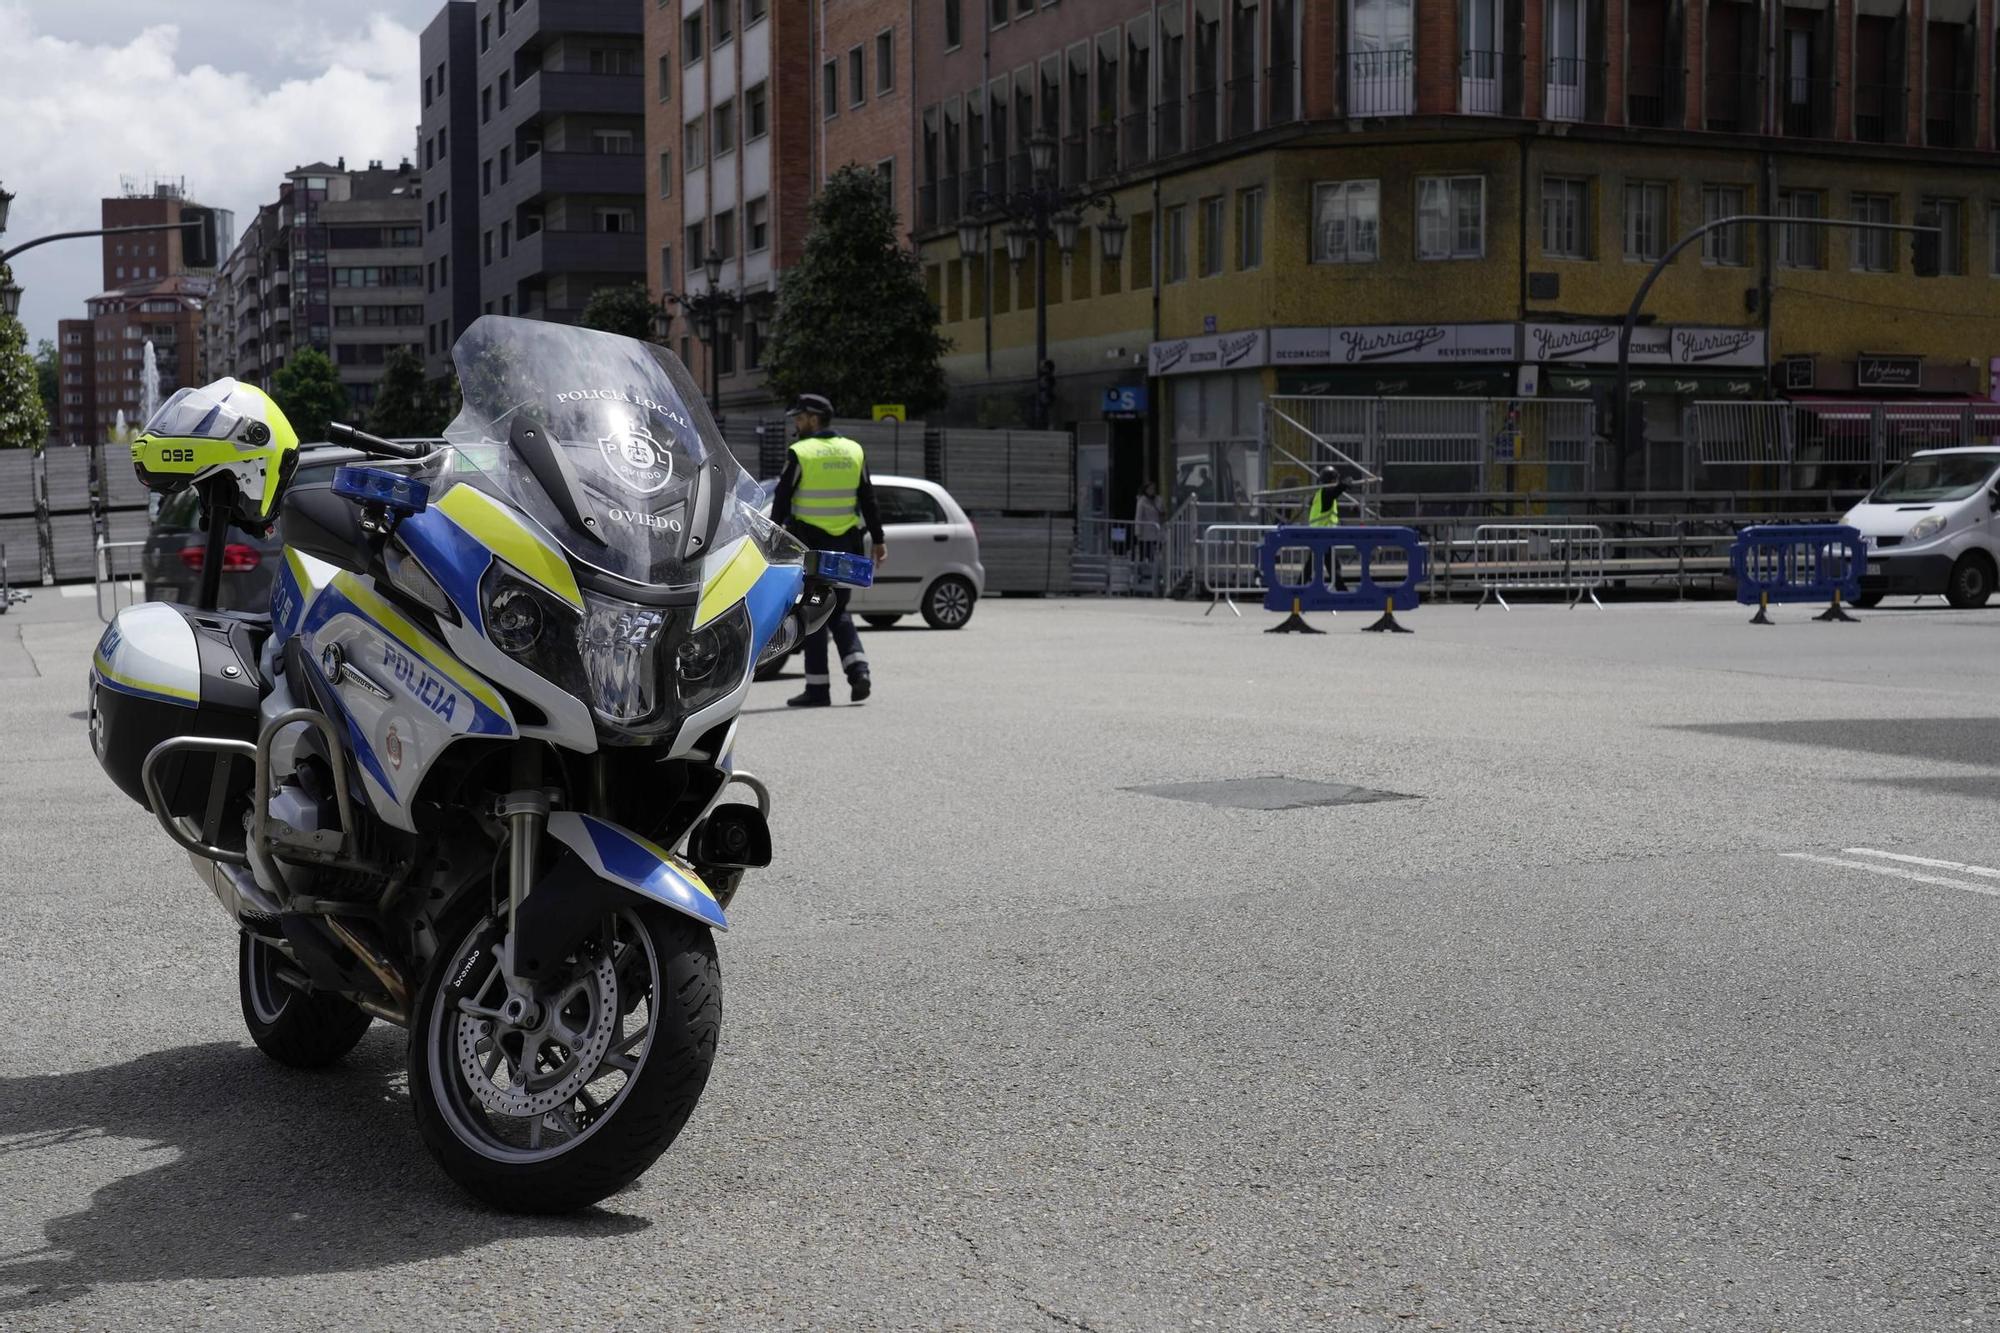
1933, 526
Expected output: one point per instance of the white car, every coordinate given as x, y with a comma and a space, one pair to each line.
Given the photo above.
1933, 526
933, 568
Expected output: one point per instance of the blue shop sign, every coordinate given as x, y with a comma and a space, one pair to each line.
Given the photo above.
1126, 402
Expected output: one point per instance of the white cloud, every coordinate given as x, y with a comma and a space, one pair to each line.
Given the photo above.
79, 115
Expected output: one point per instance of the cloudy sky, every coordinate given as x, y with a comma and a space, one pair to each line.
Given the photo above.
228, 94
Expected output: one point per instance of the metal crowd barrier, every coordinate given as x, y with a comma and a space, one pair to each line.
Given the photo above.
1297, 591
1798, 562
1538, 557
108, 581
1231, 562
8, 597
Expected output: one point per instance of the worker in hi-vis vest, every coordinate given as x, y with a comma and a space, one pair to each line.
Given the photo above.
824, 498
1323, 511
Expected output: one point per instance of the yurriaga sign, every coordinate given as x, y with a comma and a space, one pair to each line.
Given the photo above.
1654, 345
1394, 344
1247, 350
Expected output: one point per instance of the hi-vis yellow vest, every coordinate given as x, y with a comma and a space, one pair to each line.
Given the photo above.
829, 484
1323, 517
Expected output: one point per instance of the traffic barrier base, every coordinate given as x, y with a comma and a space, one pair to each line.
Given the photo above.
1834, 612
1387, 624
1294, 623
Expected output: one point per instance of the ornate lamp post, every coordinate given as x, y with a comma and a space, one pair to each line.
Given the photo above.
1043, 212
714, 314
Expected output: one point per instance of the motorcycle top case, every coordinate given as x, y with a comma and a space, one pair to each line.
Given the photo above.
163, 670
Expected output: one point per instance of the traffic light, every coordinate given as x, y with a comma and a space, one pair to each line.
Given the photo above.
1045, 384
201, 239
1924, 245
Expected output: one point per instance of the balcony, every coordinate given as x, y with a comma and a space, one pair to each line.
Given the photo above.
1281, 106
1653, 96
1104, 151
1807, 109
1202, 102
937, 202
561, 250
1879, 112
1571, 83
561, 92
556, 18
1167, 125
1136, 148
1730, 104
1948, 118
1240, 96
550, 172
1379, 83
1483, 77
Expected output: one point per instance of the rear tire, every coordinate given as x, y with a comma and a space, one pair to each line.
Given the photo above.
1971, 581
948, 602
882, 621
673, 972
303, 1029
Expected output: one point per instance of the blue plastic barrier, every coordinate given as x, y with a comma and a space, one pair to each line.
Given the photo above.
1363, 592
1798, 562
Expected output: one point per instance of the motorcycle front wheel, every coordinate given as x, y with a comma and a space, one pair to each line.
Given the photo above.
551, 1106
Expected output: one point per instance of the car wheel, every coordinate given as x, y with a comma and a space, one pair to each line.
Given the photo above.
882, 622
948, 602
1971, 581
1867, 601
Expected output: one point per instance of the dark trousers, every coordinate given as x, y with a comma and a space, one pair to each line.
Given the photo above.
853, 661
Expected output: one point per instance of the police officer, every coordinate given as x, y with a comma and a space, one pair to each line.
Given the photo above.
825, 499
1324, 512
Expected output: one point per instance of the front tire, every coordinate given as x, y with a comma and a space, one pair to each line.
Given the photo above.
882, 620
1971, 581
555, 1117
300, 1028
948, 602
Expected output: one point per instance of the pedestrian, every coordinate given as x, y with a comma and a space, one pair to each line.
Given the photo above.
825, 499
1323, 511
1146, 522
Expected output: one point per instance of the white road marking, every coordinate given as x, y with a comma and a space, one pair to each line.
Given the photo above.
1929, 861
1896, 872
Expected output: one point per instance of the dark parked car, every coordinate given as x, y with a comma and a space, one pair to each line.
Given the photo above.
176, 548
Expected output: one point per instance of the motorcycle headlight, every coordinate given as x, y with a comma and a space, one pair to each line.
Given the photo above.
709, 663
1927, 527
620, 643
534, 627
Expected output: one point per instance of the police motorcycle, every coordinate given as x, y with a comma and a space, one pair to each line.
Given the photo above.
468, 775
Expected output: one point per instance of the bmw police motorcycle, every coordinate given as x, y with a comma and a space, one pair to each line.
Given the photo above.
468, 775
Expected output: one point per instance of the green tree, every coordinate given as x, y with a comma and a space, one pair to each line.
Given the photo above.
406, 405
626, 310
46, 374
310, 393
24, 423
853, 319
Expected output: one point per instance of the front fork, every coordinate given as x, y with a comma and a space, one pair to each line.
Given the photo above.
525, 812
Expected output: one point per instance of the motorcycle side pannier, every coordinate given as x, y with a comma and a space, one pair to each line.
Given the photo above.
163, 670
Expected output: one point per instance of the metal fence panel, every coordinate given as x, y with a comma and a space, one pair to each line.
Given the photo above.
1009, 469
1538, 557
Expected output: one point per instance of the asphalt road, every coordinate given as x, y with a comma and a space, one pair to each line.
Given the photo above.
1575, 1038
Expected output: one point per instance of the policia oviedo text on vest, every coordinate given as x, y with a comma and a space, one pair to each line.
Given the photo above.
825, 499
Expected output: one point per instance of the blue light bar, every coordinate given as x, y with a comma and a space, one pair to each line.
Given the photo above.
840, 567
378, 486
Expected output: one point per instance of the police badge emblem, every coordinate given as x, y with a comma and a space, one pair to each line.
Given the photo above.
637, 460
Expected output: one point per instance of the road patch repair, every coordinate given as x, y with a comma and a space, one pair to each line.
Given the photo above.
1269, 793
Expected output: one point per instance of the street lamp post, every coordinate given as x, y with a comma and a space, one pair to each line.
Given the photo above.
1043, 212
713, 313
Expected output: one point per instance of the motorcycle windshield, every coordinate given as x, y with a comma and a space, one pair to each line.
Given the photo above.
606, 442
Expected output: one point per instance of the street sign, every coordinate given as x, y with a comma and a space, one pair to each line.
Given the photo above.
1126, 402
1208, 323
889, 412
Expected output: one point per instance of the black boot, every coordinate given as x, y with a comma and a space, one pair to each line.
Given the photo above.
816, 696
859, 687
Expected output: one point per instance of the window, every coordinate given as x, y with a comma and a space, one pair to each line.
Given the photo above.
907, 504
1725, 245
1951, 237
954, 29
506, 156
500, 18
754, 337
427, 92
1346, 217
885, 61
723, 26
1210, 223
486, 177
668, 279
1798, 247
612, 60
1565, 217
666, 77
1645, 219
1874, 251
695, 242
997, 10
753, 11
757, 224
506, 239
1175, 240
616, 220
886, 169
506, 86
485, 247
1249, 229
829, 93
444, 142
1451, 217
725, 234
485, 34
724, 117
725, 354
691, 47
756, 112
694, 143
666, 175
486, 104
857, 77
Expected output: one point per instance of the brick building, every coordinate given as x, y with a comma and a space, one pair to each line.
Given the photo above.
750, 105
1457, 197
150, 294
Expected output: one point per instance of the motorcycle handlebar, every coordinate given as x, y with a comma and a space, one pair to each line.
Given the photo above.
342, 433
